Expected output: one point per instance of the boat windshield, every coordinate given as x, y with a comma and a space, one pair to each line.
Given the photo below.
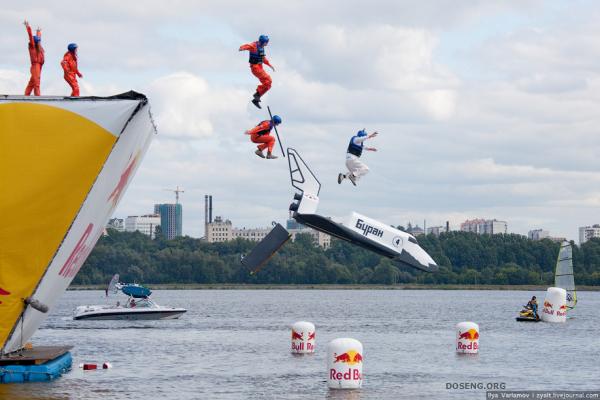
139, 303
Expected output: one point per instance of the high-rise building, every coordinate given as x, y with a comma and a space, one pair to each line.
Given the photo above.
538, 234
145, 224
484, 226
171, 220
588, 232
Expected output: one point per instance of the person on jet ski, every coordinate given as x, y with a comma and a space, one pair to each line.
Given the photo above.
533, 306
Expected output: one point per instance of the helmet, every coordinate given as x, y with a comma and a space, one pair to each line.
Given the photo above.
276, 119
361, 133
37, 39
72, 46
262, 39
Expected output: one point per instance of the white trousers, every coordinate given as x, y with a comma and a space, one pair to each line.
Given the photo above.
355, 166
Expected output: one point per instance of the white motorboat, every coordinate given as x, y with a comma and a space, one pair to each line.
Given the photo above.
137, 307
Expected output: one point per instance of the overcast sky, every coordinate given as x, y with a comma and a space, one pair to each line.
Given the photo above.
485, 109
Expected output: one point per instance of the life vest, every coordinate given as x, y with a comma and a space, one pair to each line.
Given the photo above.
264, 131
355, 148
257, 57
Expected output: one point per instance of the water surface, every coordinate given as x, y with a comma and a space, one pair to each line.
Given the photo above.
234, 344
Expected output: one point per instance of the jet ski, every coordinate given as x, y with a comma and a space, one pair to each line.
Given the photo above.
526, 315
138, 306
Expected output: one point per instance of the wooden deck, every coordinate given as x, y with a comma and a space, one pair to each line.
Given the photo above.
34, 356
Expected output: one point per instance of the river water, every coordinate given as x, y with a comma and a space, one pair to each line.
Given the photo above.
234, 344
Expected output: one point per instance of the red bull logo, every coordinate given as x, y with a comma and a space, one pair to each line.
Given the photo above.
468, 340
118, 191
297, 336
350, 358
562, 311
298, 343
82, 249
471, 335
3, 293
548, 308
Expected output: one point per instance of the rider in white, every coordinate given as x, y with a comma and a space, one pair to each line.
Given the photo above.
356, 168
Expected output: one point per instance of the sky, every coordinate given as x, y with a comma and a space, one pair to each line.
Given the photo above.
484, 109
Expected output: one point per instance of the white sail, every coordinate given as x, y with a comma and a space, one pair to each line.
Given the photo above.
563, 275
64, 165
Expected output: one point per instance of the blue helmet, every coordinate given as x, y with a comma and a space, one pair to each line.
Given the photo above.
262, 39
276, 119
72, 46
361, 133
37, 39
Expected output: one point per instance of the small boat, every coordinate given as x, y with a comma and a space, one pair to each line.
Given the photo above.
138, 306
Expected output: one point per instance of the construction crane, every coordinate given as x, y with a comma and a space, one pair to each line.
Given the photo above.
177, 191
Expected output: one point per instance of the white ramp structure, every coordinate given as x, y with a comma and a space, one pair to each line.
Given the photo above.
65, 162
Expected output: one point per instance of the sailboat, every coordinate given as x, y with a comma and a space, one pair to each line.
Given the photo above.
563, 274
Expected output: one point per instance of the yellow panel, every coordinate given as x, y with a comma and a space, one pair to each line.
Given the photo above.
49, 159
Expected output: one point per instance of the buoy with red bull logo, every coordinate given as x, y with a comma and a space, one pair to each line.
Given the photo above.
344, 364
555, 305
303, 337
467, 338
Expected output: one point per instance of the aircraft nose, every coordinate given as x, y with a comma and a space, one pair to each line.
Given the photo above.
416, 257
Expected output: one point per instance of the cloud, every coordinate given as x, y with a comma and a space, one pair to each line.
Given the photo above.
187, 107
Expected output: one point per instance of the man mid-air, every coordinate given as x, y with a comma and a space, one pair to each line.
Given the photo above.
356, 168
261, 134
257, 59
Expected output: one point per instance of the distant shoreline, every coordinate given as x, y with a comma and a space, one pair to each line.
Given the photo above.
232, 286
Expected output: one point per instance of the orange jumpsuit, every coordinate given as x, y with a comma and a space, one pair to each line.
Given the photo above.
257, 68
69, 65
36, 55
261, 134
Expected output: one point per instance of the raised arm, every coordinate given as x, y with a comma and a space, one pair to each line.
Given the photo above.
28, 29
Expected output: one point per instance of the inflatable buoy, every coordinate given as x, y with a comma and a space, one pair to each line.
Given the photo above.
345, 364
555, 305
467, 338
303, 337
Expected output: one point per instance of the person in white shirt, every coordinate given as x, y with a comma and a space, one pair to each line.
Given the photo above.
356, 168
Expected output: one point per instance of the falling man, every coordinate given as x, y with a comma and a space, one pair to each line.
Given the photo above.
356, 168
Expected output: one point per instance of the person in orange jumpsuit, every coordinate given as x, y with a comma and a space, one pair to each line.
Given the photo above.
36, 55
261, 134
257, 59
69, 65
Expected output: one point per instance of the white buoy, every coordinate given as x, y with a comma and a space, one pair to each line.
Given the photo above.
303, 337
344, 364
467, 338
555, 305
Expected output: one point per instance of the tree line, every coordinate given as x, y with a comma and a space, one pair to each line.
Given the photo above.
463, 257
